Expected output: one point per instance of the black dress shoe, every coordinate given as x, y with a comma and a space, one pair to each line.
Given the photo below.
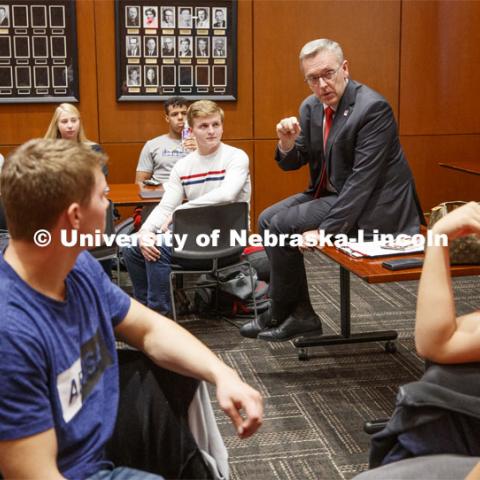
254, 327
292, 327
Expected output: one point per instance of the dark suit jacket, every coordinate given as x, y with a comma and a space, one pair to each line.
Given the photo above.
365, 163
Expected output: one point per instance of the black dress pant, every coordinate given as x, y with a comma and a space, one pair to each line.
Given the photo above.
296, 214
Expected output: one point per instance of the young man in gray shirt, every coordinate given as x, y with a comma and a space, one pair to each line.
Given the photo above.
160, 154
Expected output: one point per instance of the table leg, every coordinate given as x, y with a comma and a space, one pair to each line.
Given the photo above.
315, 340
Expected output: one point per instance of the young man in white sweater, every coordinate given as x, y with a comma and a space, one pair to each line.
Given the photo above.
215, 173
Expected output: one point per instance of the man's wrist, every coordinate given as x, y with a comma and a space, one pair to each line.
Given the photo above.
285, 149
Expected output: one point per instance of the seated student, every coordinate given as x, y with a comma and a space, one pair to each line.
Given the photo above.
67, 124
440, 423
441, 336
59, 369
215, 173
160, 154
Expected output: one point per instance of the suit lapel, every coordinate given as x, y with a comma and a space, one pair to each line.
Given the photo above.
342, 113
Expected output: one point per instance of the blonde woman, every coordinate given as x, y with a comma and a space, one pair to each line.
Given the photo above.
66, 123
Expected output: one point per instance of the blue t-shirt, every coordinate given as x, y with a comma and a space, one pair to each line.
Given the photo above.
58, 366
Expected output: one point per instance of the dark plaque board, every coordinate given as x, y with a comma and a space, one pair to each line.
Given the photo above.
181, 47
38, 51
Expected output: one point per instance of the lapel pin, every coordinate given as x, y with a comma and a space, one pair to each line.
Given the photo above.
345, 113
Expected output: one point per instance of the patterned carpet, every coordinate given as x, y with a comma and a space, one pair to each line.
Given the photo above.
314, 411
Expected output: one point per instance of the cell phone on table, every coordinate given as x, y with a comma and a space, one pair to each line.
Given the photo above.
152, 182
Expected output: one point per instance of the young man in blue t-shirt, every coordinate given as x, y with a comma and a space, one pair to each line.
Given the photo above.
60, 312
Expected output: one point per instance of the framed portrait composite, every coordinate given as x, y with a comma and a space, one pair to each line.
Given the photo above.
181, 47
38, 51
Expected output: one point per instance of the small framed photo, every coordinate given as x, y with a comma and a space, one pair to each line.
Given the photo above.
23, 77
57, 16
150, 75
132, 16
185, 75
134, 48
202, 76
168, 47
202, 17
185, 47
219, 17
4, 16
5, 47
185, 19
168, 17
134, 76
58, 46
41, 77
40, 47
20, 16
150, 17
38, 14
6, 80
60, 76
219, 76
150, 48
21, 46
169, 78
219, 47
202, 47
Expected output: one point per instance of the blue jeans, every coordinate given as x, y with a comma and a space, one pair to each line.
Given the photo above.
124, 473
150, 280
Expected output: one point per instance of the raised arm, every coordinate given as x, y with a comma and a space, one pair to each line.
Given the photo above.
30, 457
440, 335
172, 347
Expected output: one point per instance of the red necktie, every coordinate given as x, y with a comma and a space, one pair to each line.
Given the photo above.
328, 123
322, 184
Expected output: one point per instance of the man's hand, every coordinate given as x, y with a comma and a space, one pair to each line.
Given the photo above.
235, 396
190, 144
288, 130
146, 243
311, 240
462, 221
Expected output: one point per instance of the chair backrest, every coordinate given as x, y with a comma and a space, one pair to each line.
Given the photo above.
197, 224
3, 221
104, 252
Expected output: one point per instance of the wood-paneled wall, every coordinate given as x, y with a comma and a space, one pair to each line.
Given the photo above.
423, 56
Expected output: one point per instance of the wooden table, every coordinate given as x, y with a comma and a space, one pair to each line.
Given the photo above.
371, 271
466, 166
126, 194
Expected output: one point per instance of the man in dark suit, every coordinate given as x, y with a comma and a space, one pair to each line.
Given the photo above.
4, 20
133, 49
359, 180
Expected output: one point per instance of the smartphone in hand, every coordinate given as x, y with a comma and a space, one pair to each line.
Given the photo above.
152, 182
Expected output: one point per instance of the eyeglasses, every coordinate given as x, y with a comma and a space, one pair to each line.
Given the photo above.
314, 80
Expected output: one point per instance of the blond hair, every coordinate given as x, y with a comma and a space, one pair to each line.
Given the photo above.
41, 178
53, 132
203, 108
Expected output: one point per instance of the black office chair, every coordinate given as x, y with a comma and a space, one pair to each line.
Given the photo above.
107, 253
197, 223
